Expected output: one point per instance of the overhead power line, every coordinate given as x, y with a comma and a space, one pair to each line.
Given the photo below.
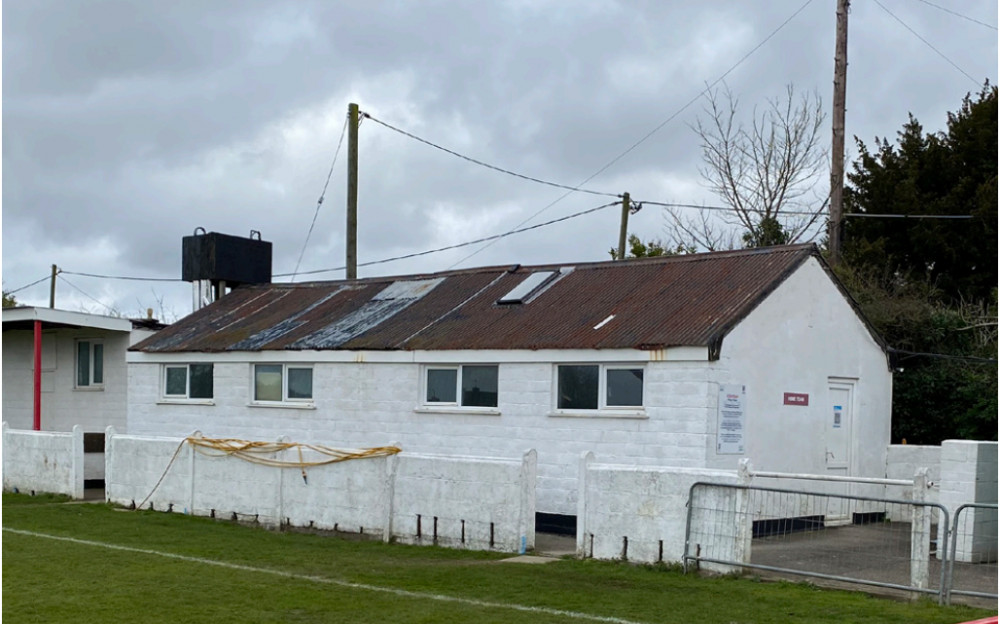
965, 17
866, 215
943, 356
38, 281
575, 189
458, 245
92, 298
322, 195
123, 277
927, 43
649, 134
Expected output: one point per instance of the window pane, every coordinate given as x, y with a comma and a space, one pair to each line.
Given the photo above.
176, 384
441, 385
300, 383
624, 387
83, 363
201, 381
267, 382
578, 387
98, 363
479, 386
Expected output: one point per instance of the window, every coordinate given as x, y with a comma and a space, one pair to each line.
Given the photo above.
188, 381
465, 386
282, 383
89, 364
598, 386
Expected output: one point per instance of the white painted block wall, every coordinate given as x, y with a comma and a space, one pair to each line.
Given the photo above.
640, 514
40, 461
969, 475
374, 404
64, 405
377, 495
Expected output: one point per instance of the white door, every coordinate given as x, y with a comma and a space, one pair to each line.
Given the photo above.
839, 418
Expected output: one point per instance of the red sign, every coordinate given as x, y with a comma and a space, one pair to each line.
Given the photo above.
796, 398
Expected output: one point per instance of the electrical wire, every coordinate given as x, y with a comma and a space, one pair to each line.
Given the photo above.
805, 213
79, 290
123, 277
942, 356
656, 129
965, 17
38, 281
903, 216
927, 43
458, 245
575, 189
319, 202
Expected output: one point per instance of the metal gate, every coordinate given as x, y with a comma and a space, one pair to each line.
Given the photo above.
883, 542
974, 543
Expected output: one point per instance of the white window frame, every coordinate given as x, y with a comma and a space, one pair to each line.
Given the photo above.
186, 397
286, 401
91, 384
603, 409
456, 405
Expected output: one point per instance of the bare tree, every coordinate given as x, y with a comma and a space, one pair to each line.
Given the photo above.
766, 174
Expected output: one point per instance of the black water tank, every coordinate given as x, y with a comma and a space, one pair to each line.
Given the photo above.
221, 257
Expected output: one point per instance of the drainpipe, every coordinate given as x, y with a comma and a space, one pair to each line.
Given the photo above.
37, 422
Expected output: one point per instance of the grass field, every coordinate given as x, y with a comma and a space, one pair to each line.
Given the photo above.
80, 563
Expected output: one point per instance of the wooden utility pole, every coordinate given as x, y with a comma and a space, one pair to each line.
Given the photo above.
352, 191
624, 227
837, 151
52, 287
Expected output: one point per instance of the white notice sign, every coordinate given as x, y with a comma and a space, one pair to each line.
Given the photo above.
732, 399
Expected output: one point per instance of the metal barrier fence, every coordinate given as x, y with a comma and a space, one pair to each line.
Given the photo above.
883, 542
974, 545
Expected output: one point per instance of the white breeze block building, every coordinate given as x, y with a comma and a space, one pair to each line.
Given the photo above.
83, 379
690, 361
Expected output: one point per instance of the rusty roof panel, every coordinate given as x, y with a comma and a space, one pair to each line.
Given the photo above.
691, 300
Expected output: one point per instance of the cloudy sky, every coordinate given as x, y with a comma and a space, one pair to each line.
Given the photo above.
126, 125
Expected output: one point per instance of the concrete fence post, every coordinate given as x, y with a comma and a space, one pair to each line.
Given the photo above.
6, 456
744, 517
76, 462
526, 513
920, 533
191, 472
586, 459
279, 506
109, 462
389, 492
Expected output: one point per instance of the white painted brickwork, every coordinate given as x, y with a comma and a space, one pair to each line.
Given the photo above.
42, 461
373, 404
648, 506
64, 405
969, 475
379, 495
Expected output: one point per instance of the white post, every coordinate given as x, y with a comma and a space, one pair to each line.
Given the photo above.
920, 533
389, 493
526, 513
191, 475
109, 463
76, 463
280, 494
744, 517
581, 505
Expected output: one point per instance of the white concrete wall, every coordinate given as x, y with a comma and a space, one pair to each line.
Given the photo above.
798, 339
64, 405
903, 461
646, 507
37, 461
372, 404
379, 495
969, 475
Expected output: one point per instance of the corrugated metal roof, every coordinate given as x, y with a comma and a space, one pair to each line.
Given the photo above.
691, 300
